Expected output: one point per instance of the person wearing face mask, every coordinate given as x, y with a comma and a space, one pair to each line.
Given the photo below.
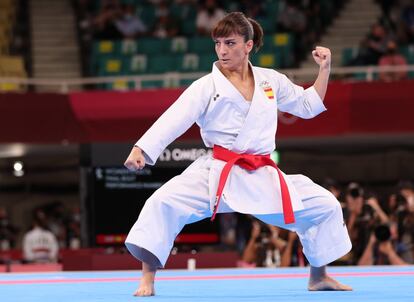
236, 108
392, 58
128, 24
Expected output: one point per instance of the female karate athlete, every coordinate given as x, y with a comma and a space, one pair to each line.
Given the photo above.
236, 108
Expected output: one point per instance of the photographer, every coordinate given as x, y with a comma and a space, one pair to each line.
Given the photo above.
361, 215
380, 249
265, 247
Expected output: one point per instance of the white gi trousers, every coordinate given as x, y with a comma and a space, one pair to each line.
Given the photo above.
185, 199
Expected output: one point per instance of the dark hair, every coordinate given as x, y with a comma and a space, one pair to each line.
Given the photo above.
238, 23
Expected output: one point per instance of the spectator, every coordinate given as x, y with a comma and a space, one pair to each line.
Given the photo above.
332, 186
208, 16
359, 219
103, 24
166, 27
380, 249
392, 58
74, 229
293, 19
264, 247
407, 190
408, 21
8, 232
39, 244
128, 23
372, 48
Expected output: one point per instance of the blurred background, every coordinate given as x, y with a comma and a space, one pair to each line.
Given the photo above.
81, 81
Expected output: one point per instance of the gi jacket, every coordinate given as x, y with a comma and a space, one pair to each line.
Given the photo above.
225, 118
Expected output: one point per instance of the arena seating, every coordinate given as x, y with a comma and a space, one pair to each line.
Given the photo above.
10, 66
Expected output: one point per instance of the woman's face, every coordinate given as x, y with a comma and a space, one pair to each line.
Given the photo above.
232, 51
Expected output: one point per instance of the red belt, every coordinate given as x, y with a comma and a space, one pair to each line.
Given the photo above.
250, 162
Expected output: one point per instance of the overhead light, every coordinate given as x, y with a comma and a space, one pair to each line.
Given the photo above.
18, 170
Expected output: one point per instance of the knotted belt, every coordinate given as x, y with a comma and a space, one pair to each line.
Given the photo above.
250, 162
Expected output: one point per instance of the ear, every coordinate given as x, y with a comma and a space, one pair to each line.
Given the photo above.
249, 46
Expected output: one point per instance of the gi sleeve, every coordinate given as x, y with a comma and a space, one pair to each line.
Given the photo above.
174, 122
293, 99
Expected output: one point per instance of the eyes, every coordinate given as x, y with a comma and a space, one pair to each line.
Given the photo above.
229, 43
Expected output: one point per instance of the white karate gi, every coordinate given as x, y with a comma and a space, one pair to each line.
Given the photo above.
228, 120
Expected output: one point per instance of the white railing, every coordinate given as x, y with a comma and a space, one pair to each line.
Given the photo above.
172, 79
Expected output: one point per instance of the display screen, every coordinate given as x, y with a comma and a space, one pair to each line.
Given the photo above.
119, 195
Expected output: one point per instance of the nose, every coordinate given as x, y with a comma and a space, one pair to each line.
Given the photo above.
221, 49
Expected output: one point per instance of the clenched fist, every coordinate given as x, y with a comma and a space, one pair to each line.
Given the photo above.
135, 160
322, 57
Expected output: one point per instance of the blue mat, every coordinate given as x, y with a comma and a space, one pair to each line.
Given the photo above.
380, 283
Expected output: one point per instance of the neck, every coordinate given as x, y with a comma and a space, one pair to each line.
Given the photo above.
242, 72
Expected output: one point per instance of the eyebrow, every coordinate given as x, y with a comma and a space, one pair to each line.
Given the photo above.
227, 40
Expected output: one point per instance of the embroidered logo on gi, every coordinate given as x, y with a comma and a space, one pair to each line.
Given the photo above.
216, 97
267, 90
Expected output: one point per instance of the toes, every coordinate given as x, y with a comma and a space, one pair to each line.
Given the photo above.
144, 292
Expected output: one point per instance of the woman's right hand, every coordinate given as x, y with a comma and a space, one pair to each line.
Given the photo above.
135, 160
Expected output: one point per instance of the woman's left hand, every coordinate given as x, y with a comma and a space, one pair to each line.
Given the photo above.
322, 57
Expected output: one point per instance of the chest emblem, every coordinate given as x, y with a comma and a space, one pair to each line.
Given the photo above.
267, 90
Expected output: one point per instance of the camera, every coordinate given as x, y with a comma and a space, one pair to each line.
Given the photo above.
355, 190
382, 233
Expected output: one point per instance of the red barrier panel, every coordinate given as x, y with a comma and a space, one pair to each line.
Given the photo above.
97, 116
30, 268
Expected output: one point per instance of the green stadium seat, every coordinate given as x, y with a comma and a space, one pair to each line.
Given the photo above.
348, 54
268, 24
178, 45
183, 11
162, 64
105, 47
128, 47
119, 85
110, 66
147, 13
136, 64
201, 45
188, 62
267, 60
408, 53
186, 82
206, 61
188, 27
152, 45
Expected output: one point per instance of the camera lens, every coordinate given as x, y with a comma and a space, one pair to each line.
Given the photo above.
382, 233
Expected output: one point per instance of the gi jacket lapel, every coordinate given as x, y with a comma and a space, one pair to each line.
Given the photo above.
224, 88
253, 122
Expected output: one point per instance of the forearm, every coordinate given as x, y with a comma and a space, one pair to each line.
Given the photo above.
366, 258
382, 216
287, 255
321, 83
249, 254
395, 259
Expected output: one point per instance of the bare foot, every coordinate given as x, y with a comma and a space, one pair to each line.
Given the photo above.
327, 283
146, 284
319, 280
145, 289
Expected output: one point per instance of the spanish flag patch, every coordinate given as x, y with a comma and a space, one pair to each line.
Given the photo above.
267, 90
